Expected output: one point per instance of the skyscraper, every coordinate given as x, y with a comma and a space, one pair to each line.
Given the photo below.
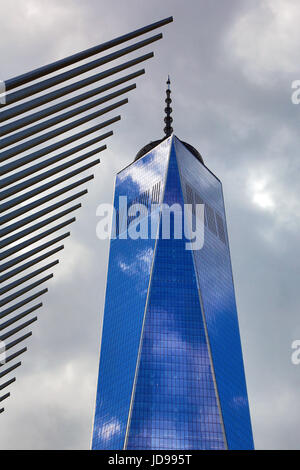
171, 372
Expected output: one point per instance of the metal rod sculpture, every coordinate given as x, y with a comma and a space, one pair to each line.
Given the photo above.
17, 135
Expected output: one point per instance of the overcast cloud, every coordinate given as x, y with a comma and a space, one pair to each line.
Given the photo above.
231, 66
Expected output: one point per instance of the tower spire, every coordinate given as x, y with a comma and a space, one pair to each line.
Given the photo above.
168, 130
168, 110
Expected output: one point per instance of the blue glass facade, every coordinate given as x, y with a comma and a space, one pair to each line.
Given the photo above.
213, 267
171, 370
128, 276
175, 404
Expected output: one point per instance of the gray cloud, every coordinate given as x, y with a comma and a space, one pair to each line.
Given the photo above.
231, 65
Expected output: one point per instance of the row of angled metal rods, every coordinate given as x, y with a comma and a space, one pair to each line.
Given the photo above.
28, 238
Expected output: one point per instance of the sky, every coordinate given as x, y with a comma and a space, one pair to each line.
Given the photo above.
231, 65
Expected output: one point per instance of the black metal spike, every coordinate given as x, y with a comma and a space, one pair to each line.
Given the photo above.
30, 241
168, 110
6, 384
31, 218
53, 95
28, 254
29, 276
62, 77
42, 176
24, 290
39, 202
10, 369
30, 131
57, 145
23, 233
17, 341
25, 121
18, 136
40, 72
18, 317
14, 355
20, 304
17, 149
17, 329
50, 161
29, 264
4, 396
